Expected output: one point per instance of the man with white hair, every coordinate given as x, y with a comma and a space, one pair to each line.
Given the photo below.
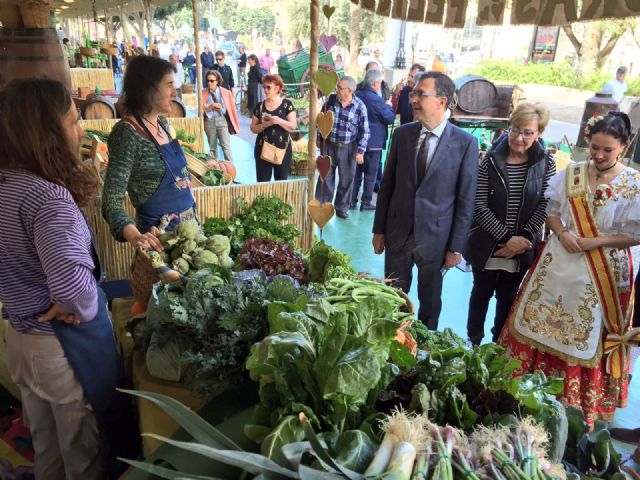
346, 145
618, 86
379, 114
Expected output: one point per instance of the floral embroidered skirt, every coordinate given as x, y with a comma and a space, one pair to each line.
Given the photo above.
556, 319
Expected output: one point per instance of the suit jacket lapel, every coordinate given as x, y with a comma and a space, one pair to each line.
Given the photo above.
413, 139
441, 153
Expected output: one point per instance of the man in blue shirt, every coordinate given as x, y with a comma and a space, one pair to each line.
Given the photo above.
346, 145
379, 114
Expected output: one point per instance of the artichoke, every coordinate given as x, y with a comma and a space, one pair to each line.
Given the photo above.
188, 230
219, 244
181, 265
205, 258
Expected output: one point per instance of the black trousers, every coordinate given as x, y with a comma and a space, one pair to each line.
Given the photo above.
265, 170
485, 283
398, 266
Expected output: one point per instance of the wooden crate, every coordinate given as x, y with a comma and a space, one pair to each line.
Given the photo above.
117, 258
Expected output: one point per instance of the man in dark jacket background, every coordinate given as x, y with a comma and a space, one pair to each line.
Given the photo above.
207, 60
224, 70
380, 114
400, 99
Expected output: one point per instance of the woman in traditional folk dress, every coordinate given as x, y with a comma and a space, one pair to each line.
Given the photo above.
572, 315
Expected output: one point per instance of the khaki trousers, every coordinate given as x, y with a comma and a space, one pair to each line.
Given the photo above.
63, 427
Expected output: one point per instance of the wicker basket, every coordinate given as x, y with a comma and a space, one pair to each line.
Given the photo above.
301, 169
408, 308
87, 51
109, 50
143, 276
35, 13
195, 165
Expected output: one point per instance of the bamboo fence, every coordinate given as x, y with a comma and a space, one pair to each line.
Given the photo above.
192, 126
92, 78
117, 258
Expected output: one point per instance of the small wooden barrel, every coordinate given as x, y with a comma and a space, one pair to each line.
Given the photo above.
32, 52
601, 104
475, 93
98, 107
177, 108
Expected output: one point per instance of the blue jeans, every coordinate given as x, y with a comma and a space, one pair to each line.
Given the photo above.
378, 175
369, 169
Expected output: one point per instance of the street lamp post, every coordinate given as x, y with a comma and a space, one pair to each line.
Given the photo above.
400, 61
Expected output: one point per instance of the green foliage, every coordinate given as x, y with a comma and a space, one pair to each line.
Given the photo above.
559, 74
371, 29
244, 19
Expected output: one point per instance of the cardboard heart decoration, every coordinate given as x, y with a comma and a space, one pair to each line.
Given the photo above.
325, 123
323, 165
320, 213
328, 11
326, 81
328, 42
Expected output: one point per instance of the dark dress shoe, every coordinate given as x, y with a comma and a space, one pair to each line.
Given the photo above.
367, 207
343, 215
353, 205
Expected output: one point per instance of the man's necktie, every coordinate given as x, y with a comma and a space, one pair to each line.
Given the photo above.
421, 160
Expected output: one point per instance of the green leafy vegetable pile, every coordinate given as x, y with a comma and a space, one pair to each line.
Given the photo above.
102, 136
462, 387
209, 325
328, 361
215, 178
324, 262
268, 217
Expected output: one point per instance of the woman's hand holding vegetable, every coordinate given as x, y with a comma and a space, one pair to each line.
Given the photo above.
147, 241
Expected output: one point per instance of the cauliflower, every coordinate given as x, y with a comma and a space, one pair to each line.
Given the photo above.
188, 246
219, 244
188, 230
226, 261
181, 265
205, 258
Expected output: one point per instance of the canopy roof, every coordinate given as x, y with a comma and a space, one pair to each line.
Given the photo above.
451, 13
77, 8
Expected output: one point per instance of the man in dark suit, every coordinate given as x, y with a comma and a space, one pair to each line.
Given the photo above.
225, 71
207, 61
380, 115
425, 204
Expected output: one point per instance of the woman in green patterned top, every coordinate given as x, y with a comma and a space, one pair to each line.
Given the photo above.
144, 161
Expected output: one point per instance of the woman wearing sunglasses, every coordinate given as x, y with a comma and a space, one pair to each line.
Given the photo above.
272, 120
510, 209
220, 116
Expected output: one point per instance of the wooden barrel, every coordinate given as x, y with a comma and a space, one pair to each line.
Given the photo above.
177, 108
98, 107
32, 52
602, 103
475, 93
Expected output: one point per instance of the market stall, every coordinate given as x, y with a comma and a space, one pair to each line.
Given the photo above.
96, 79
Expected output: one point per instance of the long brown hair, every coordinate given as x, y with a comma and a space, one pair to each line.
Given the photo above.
33, 137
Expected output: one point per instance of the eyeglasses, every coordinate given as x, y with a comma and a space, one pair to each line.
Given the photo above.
516, 132
418, 93
211, 80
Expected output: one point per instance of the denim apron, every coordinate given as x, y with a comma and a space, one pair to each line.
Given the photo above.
173, 196
90, 348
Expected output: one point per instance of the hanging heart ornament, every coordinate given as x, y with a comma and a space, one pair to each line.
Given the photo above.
326, 81
328, 10
321, 213
325, 123
323, 165
328, 41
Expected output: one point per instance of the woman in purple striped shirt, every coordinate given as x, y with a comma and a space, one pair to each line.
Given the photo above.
60, 348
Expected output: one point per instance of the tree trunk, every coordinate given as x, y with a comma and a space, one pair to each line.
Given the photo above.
354, 38
590, 62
